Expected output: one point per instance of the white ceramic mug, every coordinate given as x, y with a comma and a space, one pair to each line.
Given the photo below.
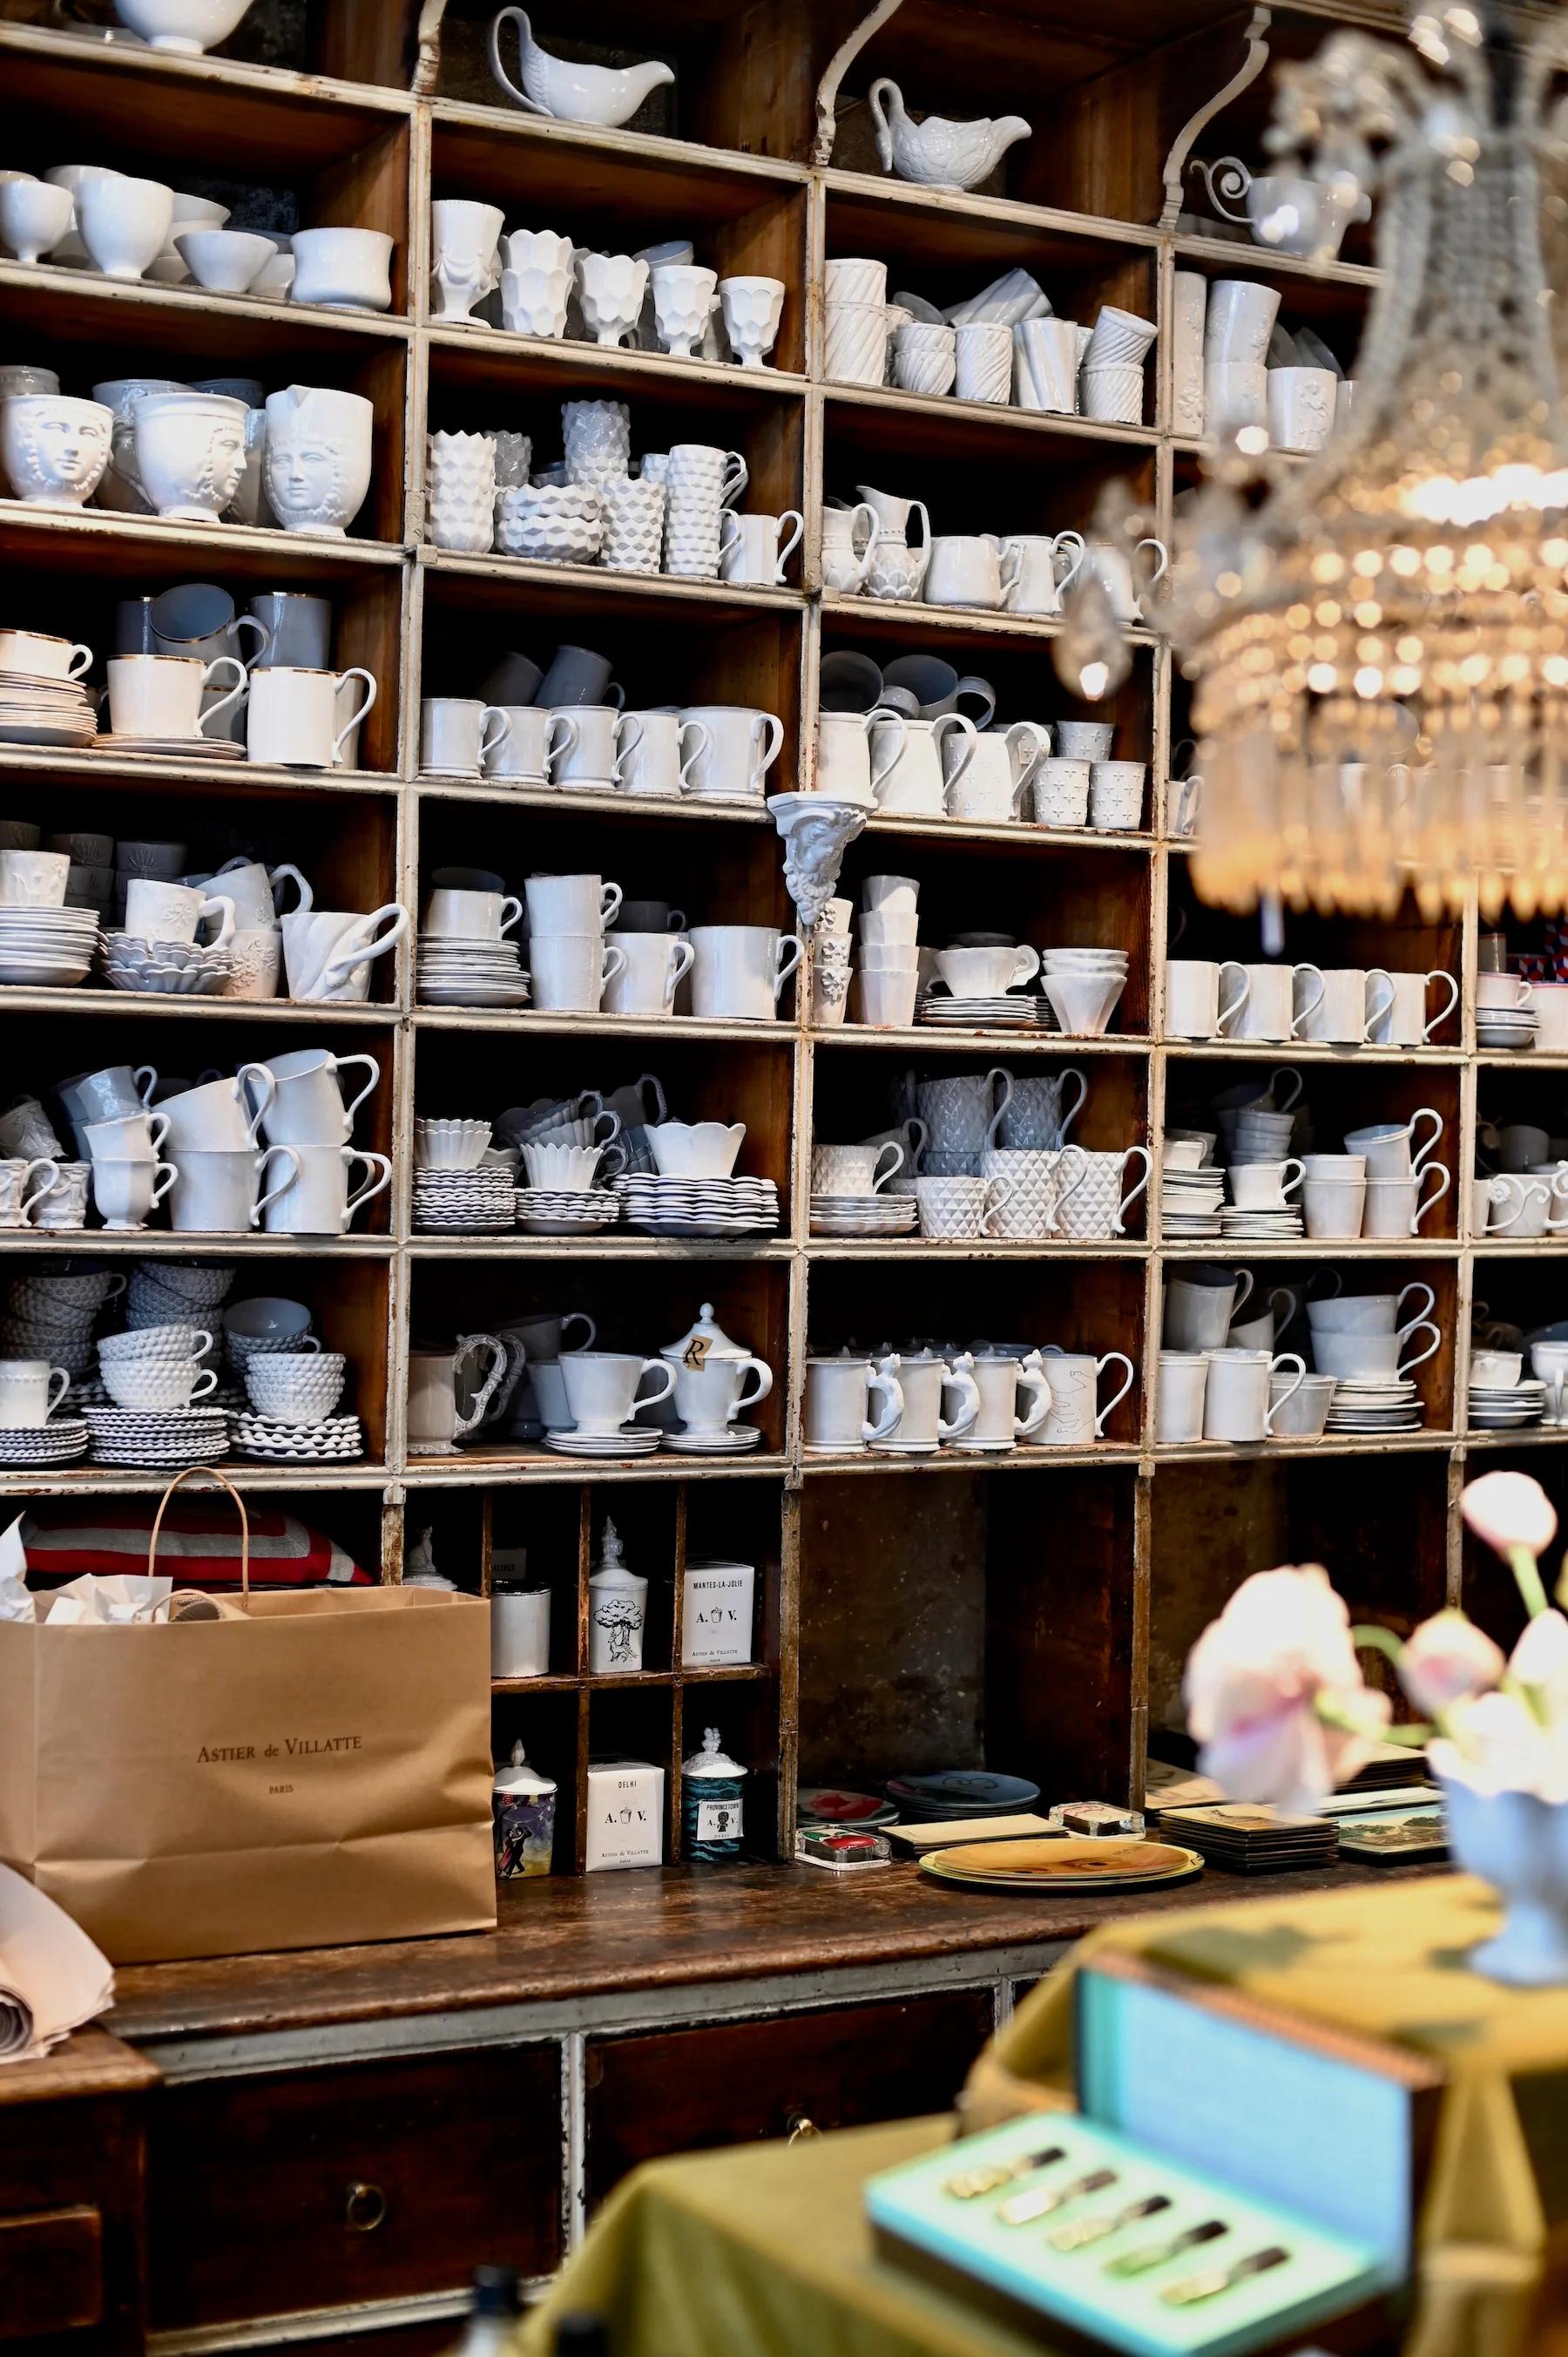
1194, 1005
1201, 1305
1181, 1385
218, 1116
293, 718
656, 964
740, 971
662, 755
1403, 1022
602, 1387
225, 1192
1276, 1003
1351, 1001
751, 549
533, 738
743, 745
30, 1391
836, 1418
307, 1105
1239, 1403
711, 1397
315, 1200
327, 953
571, 904
569, 972
965, 569
1077, 1419
159, 697
926, 1381
458, 734
999, 1426
451, 913
174, 912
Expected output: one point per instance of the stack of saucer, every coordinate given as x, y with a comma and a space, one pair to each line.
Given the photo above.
1393, 1405
335, 1440
1190, 1203
1261, 1227
631, 1440
730, 1440
164, 1438
1014, 1010
453, 971
60, 1441
173, 749
698, 1206
865, 1215
463, 1198
181, 969
1503, 1407
35, 710
565, 1211
50, 948
1507, 1026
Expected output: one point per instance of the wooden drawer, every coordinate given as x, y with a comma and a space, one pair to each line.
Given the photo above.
71, 2212
355, 2183
689, 2090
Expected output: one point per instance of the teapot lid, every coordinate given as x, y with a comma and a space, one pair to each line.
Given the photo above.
611, 1571
705, 1340
710, 1760
520, 1778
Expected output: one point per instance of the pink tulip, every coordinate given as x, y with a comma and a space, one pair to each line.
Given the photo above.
1448, 1660
1540, 1661
1275, 1693
1510, 1510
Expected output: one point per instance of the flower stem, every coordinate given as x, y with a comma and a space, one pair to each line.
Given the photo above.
1527, 1576
1368, 1638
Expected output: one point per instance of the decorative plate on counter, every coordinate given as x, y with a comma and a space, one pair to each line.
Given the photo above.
1051, 1868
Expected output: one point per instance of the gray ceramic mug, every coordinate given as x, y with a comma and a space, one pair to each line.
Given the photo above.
301, 629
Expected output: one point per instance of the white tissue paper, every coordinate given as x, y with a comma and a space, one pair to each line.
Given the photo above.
108, 1599
15, 1599
52, 1978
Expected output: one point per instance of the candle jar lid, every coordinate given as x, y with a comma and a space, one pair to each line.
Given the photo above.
611, 1571
520, 1778
710, 1760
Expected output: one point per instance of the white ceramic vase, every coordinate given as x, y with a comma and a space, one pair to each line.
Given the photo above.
54, 447
189, 452
1519, 1844
460, 491
316, 464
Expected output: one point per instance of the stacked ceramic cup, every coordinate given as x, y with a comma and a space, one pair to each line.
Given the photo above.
291, 1418
700, 480
830, 966
1112, 373
298, 1099
855, 338
124, 1148
49, 1314
464, 955
460, 491
887, 981
159, 1386
454, 1186
569, 959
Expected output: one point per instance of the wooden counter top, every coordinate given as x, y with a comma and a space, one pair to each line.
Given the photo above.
561, 1937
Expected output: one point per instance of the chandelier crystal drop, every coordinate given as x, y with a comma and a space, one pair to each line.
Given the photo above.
1378, 637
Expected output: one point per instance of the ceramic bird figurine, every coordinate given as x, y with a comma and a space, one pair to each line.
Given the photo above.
938, 153
605, 95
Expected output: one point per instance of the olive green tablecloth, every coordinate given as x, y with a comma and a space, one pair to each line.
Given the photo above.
765, 2252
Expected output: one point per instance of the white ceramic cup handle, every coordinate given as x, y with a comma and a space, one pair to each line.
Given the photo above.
264, 640
651, 1399
681, 965
235, 693
610, 897
729, 532
1378, 974
157, 1128
1311, 1005
1557, 1192
1102, 1416
1406, 1364
524, 40
380, 1179
867, 558
206, 1383
1281, 1073
764, 1374
267, 1089
880, 1176
1161, 561
998, 1072
1420, 1156
999, 1193
557, 747
1493, 1227
222, 908
1033, 1379
790, 952
768, 753
884, 712
943, 728
512, 912
614, 965
352, 1107
631, 721
1079, 1166
55, 1397
354, 719
1009, 564
892, 1415
291, 1156
487, 1390
44, 1162
1427, 1306
1246, 1280
284, 874
1277, 1365
164, 1174
787, 547
344, 962
1440, 973
960, 1380
1227, 966
1444, 1180
699, 728
1129, 1199
1288, 1187
74, 669
1070, 1113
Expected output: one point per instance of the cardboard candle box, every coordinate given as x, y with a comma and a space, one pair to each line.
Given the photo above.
715, 1613
626, 1815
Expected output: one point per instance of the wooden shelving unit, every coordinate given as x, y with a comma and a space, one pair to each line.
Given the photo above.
1033, 1613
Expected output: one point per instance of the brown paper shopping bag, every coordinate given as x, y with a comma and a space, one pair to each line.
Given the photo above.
312, 1768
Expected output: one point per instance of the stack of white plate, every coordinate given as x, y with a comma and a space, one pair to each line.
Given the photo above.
38, 711
335, 1440
1393, 1406
163, 1438
698, 1206
1011, 1012
172, 748
865, 1215
455, 972
1503, 1407
565, 1211
1261, 1227
733, 1440
49, 948
60, 1441
1507, 1026
631, 1440
463, 1198
1190, 1203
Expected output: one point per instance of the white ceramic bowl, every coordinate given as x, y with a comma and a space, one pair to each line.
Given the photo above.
224, 261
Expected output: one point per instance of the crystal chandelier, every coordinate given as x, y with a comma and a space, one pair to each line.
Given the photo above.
1378, 637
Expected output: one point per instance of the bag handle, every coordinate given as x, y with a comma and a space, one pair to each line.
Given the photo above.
223, 1483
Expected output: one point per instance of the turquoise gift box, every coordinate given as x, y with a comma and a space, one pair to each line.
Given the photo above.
1294, 2138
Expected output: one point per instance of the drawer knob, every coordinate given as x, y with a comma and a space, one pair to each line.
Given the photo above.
801, 2128
364, 2207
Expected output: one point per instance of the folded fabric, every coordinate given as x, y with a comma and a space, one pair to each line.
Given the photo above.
69, 1537
52, 1978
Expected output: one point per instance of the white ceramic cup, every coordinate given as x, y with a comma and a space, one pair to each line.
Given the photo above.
523, 751
602, 1387
457, 734
225, 1192
661, 757
848, 1403
34, 880
740, 971
292, 717
571, 904
161, 696
1196, 1006
1077, 1418
1181, 1383
1351, 1000
451, 913
855, 1169
656, 964
711, 1397
30, 1391
1404, 1021
1275, 1001
755, 549
1390, 1147
1201, 1305
1239, 1405
569, 972
174, 912
743, 745
314, 1199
